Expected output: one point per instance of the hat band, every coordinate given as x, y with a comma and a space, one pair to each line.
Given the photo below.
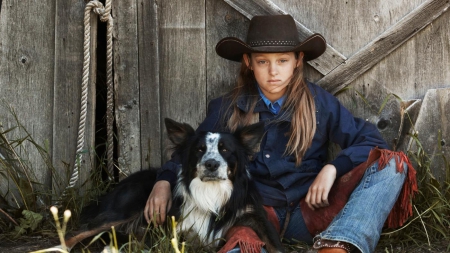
273, 43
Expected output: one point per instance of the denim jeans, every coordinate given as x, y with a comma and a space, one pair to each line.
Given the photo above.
361, 220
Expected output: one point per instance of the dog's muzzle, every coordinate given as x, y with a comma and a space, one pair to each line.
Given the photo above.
212, 170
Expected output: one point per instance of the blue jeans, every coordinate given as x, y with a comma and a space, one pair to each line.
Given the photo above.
361, 220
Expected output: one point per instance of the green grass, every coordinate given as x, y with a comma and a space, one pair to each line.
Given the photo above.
27, 210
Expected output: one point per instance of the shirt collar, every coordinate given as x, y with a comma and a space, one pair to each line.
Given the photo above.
260, 107
275, 106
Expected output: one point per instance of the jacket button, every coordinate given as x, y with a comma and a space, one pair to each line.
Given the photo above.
267, 156
291, 204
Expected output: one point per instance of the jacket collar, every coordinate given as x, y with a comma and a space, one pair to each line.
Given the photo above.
242, 104
260, 107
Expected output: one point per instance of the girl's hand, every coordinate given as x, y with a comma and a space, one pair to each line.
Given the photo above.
317, 196
159, 203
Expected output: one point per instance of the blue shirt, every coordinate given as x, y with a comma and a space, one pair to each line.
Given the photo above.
279, 181
275, 106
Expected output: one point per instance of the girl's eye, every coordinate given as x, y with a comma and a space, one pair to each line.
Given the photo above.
261, 62
283, 61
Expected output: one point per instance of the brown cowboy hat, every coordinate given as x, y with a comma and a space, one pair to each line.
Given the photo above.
271, 34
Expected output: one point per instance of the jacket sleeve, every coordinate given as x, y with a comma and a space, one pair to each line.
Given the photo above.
355, 136
169, 170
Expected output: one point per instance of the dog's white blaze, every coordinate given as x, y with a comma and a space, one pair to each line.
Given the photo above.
212, 152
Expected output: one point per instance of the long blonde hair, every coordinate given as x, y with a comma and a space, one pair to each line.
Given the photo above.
299, 103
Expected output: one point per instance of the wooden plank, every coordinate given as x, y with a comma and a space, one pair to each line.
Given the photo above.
27, 45
433, 131
126, 82
221, 21
348, 25
249, 8
69, 38
416, 66
383, 45
150, 109
182, 61
371, 100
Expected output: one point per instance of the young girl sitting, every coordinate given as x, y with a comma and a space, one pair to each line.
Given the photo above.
291, 165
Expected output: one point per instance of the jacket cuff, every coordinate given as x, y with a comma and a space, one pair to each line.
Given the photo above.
343, 165
167, 175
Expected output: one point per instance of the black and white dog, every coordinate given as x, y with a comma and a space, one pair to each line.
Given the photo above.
214, 189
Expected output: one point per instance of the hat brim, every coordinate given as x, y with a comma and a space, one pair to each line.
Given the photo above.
232, 48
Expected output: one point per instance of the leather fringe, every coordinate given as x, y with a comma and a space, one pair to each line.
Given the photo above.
402, 209
245, 237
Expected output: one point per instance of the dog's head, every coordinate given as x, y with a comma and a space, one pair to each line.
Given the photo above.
213, 156
213, 165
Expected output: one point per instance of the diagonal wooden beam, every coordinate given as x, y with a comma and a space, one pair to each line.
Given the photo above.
383, 45
249, 8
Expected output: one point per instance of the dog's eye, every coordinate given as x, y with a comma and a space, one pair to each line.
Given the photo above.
224, 150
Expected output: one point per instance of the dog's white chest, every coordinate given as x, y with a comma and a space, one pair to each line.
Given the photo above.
205, 199
196, 223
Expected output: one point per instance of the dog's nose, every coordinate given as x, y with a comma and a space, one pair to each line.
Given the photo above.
212, 165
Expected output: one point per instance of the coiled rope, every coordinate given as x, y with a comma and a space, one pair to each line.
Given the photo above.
105, 16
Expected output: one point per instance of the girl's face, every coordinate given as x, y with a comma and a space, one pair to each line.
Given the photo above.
273, 71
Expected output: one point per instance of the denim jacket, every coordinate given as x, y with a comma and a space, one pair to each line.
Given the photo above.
279, 181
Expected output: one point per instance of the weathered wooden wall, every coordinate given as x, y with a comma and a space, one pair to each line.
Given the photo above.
388, 56
41, 57
385, 78
26, 66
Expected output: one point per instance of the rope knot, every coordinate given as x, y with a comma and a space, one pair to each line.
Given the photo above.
99, 9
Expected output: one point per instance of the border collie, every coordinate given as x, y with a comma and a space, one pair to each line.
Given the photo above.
213, 193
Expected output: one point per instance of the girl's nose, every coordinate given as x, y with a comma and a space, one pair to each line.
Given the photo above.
273, 70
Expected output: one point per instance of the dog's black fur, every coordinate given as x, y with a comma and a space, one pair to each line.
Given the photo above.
213, 184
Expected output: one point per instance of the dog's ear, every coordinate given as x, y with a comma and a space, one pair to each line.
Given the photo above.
178, 132
250, 136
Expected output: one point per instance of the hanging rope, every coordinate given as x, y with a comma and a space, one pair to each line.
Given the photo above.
105, 16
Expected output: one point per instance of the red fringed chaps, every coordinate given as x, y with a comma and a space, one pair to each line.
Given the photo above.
318, 220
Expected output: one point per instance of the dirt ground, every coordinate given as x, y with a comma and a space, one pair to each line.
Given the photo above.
34, 243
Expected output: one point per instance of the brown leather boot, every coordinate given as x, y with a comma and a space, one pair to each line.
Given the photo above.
331, 250
328, 246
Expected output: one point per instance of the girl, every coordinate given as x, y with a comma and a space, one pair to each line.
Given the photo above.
301, 119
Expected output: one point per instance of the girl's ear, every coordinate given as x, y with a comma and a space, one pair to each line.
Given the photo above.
247, 61
300, 59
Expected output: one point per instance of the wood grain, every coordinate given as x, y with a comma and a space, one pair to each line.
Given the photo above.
221, 21
383, 45
183, 62
126, 86
150, 108
27, 51
433, 131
